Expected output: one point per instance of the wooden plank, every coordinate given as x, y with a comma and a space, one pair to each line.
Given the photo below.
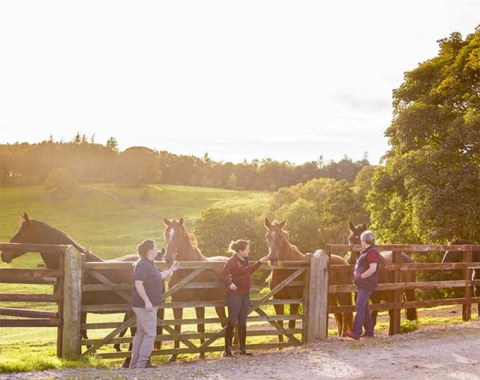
179, 351
125, 325
410, 304
105, 287
182, 282
59, 290
28, 280
115, 308
317, 321
340, 248
167, 322
72, 300
18, 297
46, 248
127, 296
195, 335
397, 293
277, 288
7, 273
28, 313
401, 285
37, 322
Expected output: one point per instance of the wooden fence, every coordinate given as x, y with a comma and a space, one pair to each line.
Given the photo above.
398, 287
260, 313
60, 280
69, 285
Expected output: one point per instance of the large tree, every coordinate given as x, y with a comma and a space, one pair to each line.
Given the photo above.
429, 188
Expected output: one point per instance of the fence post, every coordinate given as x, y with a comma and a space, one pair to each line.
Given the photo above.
72, 302
397, 294
467, 275
317, 321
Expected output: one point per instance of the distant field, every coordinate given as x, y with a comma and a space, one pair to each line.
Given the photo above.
110, 220
106, 219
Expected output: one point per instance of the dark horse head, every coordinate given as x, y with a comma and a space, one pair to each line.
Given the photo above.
354, 239
457, 256
36, 232
276, 237
177, 240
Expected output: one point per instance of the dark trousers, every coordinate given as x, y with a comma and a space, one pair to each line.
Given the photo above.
237, 312
238, 308
363, 317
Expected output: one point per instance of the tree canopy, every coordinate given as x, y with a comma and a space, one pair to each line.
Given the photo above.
429, 188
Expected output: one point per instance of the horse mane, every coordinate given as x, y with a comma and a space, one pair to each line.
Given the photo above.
66, 239
193, 241
287, 236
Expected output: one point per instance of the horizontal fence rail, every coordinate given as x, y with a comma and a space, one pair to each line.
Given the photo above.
398, 286
21, 317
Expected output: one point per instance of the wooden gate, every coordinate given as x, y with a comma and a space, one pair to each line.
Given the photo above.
23, 317
262, 320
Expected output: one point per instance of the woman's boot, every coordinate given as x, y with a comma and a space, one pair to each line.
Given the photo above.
228, 340
242, 337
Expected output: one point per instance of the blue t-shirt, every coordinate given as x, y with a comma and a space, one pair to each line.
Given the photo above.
146, 271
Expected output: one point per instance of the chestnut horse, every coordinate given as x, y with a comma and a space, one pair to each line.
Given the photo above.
36, 232
182, 246
384, 276
280, 248
457, 257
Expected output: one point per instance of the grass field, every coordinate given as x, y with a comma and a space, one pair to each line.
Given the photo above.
108, 220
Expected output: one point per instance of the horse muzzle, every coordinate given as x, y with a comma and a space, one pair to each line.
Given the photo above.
6, 257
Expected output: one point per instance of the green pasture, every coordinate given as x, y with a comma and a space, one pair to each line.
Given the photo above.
110, 220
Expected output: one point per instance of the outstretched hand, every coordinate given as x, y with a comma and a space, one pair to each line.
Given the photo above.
265, 258
175, 266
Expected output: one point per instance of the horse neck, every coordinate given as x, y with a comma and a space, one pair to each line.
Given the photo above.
53, 236
289, 252
188, 252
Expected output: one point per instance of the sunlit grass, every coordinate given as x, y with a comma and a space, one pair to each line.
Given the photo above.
111, 220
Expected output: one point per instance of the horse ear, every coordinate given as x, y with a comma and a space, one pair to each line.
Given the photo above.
283, 223
25, 217
267, 223
181, 221
167, 222
351, 227
364, 226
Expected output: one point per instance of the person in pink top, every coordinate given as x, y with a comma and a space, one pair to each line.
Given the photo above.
235, 274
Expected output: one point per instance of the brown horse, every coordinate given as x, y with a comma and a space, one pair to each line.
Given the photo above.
281, 249
384, 277
37, 232
457, 257
182, 246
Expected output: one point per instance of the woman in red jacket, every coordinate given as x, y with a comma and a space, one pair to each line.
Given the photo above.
235, 275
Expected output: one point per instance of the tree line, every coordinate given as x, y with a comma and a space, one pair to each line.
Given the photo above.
85, 161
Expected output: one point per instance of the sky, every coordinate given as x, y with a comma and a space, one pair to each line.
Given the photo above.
239, 80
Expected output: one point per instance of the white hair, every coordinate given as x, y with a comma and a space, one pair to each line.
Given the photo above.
368, 237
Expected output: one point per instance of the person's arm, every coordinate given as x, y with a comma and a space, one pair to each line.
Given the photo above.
143, 294
166, 273
371, 270
255, 266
